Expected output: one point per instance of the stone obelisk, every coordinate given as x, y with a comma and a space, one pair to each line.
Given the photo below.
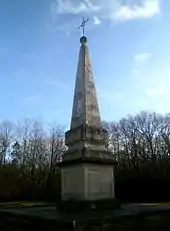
87, 169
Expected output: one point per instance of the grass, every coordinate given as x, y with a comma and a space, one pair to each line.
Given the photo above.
39, 203
156, 204
22, 204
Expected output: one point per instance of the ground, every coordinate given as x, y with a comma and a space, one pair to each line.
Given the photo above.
28, 215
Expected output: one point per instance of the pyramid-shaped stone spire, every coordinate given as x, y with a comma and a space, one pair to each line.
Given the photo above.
85, 105
86, 137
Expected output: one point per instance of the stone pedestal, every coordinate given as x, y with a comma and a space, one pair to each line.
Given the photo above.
87, 181
87, 171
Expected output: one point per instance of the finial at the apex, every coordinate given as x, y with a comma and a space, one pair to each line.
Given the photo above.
83, 40
83, 25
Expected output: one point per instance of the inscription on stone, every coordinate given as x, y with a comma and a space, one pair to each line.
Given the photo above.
99, 184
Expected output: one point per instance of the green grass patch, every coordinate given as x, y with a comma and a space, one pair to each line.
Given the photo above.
23, 204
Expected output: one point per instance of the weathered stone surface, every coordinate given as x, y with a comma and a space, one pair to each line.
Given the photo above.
85, 105
91, 182
86, 132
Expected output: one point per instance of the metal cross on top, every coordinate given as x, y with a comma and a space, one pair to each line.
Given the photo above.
83, 24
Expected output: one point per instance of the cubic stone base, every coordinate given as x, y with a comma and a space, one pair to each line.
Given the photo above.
87, 182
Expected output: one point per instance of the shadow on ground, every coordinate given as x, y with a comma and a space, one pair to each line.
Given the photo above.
155, 221
10, 221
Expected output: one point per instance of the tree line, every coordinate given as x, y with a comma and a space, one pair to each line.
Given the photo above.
28, 155
29, 152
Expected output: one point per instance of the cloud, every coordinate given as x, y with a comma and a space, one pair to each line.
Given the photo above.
158, 92
146, 9
142, 57
96, 20
114, 10
75, 6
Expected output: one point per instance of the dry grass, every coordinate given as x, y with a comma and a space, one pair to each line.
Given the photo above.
21, 204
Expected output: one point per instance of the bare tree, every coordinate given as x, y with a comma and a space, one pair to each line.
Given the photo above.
6, 135
55, 145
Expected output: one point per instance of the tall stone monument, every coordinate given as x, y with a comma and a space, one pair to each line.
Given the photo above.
87, 169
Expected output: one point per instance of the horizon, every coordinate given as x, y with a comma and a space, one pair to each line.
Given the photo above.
129, 52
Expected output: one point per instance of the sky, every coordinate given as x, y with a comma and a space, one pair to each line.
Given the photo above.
39, 46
